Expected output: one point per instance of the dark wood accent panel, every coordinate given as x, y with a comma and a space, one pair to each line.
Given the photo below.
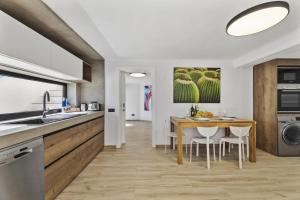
265, 102
58, 144
87, 72
265, 106
61, 173
285, 61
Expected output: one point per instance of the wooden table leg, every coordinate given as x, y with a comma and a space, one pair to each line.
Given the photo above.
179, 145
252, 156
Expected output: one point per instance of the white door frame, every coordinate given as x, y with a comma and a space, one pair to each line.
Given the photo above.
121, 122
122, 101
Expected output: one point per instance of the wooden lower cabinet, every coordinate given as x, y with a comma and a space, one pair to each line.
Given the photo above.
60, 143
68, 152
62, 172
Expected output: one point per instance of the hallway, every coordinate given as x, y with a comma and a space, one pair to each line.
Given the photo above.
138, 135
140, 172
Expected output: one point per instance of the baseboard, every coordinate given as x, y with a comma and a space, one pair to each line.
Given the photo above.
160, 146
137, 120
110, 146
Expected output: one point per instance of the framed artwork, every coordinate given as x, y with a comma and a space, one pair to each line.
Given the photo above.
147, 97
196, 85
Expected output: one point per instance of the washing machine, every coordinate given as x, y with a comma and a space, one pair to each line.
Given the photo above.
289, 135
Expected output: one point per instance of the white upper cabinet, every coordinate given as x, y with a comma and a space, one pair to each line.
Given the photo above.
21, 42
65, 62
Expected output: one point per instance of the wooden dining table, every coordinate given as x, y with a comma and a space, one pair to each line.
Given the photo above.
179, 123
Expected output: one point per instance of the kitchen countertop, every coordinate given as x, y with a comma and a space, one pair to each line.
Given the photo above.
11, 134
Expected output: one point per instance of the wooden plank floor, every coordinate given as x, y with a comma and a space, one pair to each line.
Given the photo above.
140, 172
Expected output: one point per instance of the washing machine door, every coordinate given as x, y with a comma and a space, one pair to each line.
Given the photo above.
291, 134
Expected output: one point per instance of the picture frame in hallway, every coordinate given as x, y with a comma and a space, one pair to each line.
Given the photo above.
196, 85
147, 98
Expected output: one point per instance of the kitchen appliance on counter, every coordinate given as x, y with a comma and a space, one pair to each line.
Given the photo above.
289, 135
22, 171
288, 98
94, 106
83, 107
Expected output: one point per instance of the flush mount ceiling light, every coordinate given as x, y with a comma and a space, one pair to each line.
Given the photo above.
258, 18
137, 74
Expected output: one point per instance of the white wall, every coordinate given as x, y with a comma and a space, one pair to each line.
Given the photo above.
135, 98
133, 102
94, 91
236, 92
74, 94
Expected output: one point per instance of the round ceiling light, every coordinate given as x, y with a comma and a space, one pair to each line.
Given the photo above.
137, 74
258, 18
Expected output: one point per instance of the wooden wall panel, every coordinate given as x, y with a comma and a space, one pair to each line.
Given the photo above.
265, 102
285, 61
60, 143
87, 72
265, 106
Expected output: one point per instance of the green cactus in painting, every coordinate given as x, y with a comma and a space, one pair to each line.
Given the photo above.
218, 75
185, 91
181, 76
195, 75
218, 71
211, 74
180, 70
209, 90
202, 69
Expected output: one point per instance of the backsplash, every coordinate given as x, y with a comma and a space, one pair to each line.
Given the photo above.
22, 95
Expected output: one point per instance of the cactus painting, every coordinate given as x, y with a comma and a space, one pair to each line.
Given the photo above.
196, 85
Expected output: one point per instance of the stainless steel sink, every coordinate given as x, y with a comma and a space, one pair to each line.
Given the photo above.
49, 119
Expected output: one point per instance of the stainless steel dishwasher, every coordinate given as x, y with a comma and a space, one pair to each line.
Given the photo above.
22, 171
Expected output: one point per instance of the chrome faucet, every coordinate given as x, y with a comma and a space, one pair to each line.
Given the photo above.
46, 94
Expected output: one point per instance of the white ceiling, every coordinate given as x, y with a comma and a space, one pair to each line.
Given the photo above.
178, 29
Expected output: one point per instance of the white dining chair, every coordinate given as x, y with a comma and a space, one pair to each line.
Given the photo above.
240, 135
172, 135
246, 142
206, 134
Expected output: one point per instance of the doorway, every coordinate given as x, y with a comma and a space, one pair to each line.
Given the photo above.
137, 110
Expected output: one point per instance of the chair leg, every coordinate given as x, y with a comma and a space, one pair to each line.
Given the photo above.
224, 149
197, 149
240, 155
166, 139
207, 155
247, 143
214, 151
220, 150
229, 146
243, 152
191, 151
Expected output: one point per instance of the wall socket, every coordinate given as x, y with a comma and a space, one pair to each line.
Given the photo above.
111, 110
